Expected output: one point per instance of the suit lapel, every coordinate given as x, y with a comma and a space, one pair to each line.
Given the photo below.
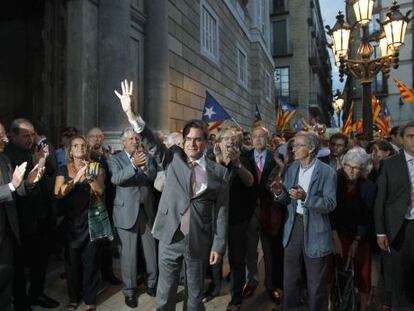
403, 170
315, 174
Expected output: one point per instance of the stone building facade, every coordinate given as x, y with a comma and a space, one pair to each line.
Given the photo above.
303, 69
384, 89
65, 58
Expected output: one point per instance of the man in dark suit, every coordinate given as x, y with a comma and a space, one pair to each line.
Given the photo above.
10, 182
309, 191
133, 172
192, 217
35, 213
265, 211
394, 218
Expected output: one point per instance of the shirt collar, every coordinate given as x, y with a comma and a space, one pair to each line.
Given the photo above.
129, 155
408, 156
201, 162
308, 167
257, 154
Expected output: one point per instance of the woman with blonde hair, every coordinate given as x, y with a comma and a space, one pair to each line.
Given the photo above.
77, 183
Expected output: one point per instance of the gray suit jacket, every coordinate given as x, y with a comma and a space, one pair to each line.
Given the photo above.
208, 210
133, 187
320, 201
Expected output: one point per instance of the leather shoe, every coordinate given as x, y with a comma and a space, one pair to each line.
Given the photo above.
131, 301
152, 291
111, 279
248, 290
275, 295
45, 302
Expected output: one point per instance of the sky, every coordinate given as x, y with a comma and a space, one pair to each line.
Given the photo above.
329, 9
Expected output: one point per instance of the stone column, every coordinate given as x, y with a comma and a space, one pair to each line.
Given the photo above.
114, 36
82, 63
156, 65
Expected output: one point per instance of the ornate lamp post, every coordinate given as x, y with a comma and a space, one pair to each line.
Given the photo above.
365, 68
338, 104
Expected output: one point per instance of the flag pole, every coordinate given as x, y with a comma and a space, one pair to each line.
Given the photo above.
237, 123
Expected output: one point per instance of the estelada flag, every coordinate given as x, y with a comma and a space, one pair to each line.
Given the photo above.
376, 107
257, 117
347, 129
213, 113
407, 95
284, 113
384, 120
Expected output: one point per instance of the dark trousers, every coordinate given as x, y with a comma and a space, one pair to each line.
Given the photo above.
273, 260
6, 273
82, 272
402, 256
316, 274
170, 259
237, 259
32, 253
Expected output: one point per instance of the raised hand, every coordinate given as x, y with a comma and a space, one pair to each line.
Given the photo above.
18, 175
127, 99
36, 174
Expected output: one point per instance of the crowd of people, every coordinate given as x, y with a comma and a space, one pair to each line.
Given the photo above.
172, 205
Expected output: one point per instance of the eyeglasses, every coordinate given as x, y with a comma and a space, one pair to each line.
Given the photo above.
298, 145
337, 145
228, 138
352, 168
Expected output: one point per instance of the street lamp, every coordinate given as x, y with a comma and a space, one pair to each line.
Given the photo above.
338, 104
365, 68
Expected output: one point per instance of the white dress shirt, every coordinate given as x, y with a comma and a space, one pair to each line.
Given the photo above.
200, 176
304, 178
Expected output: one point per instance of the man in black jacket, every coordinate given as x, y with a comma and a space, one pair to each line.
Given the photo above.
34, 214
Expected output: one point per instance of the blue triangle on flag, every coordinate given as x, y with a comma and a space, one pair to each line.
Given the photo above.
257, 116
213, 111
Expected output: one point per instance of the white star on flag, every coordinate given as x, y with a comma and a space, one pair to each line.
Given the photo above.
209, 112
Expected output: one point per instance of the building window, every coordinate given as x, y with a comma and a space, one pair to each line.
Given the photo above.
209, 32
242, 66
281, 77
279, 6
280, 39
268, 86
374, 26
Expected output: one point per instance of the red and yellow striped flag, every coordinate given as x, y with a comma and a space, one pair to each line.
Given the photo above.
376, 107
347, 128
407, 95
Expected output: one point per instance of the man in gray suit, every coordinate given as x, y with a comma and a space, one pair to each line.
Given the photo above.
10, 182
309, 191
133, 172
191, 223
